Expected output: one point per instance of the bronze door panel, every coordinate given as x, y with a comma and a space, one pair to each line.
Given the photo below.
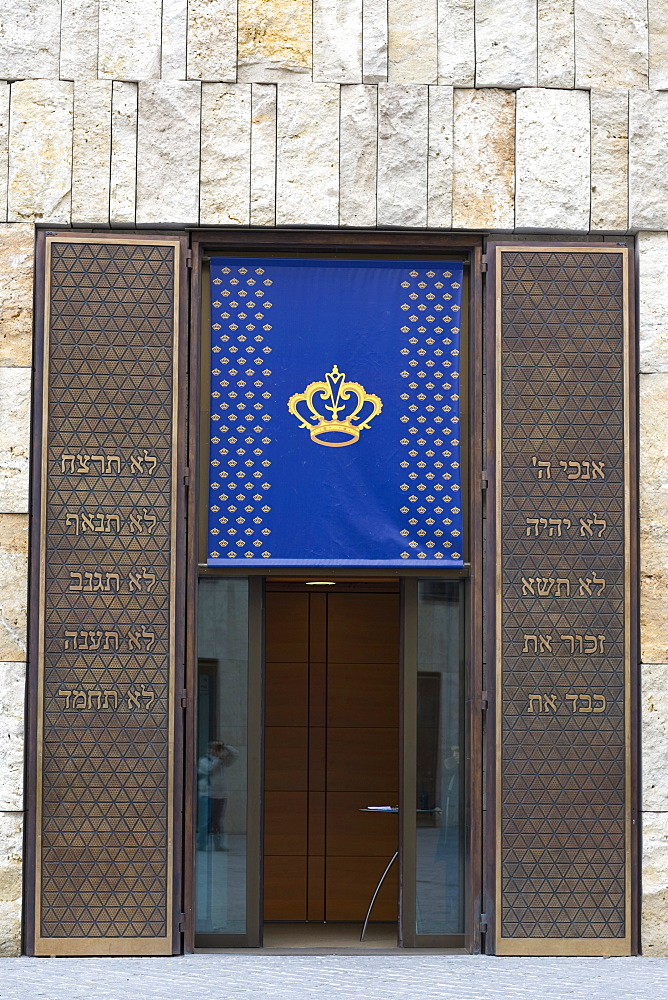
106, 644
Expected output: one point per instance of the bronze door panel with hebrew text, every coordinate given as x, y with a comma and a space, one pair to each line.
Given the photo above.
104, 565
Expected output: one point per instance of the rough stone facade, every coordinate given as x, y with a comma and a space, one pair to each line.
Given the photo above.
532, 116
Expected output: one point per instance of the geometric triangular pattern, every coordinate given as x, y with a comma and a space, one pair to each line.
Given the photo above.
563, 752
107, 606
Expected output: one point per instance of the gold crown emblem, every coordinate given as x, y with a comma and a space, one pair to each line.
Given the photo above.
349, 409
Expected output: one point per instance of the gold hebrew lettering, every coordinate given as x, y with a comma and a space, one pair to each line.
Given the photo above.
584, 586
535, 698
604, 524
544, 586
527, 587
597, 470
111, 460
66, 695
532, 521
111, 637
72, 519
559, 583
550, 702
83, 462
79, 696
63, 460
79, 581
527, 640
148, 576
107, 696
574, 699
545, 642
601, 698
587, 700
133, 699
95, 694
150, 460
74, 637
149, 637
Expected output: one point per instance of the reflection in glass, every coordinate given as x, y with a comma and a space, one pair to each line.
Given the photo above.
222, 744
440, 760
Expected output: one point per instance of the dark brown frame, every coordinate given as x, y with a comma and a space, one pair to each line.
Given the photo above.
35, 568
490, 902
331, 243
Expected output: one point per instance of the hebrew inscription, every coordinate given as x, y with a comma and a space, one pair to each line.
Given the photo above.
106, 620
563, 483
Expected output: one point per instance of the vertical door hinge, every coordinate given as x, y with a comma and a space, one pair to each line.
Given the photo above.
182, 923
485, 263
484, 481
483, 923
189, 258
186, 477
484, 701
184, 699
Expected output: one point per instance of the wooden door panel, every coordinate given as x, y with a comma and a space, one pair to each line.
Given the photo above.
350, 886
316, 822
286, 627
351, 832
363, 628
286, 694
285, 888
316, 887
362, 759
363, 694
286, 758
285, 823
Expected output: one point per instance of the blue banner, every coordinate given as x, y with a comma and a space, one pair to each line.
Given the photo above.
335, 419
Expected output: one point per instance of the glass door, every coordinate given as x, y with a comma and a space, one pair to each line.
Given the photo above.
228, 763
434, 755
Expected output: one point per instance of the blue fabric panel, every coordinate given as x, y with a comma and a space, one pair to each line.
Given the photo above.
362, 469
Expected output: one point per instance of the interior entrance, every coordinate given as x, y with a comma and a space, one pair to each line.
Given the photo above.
331, 760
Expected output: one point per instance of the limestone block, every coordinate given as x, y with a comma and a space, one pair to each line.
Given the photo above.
439, 164
225, 154
212, 39
412, 41
359, 155
654, 729
654, 928
91, 151
168, 140
129, 40
11, 882
506, 40
337, 41
658, 44
374, 41
12, 725
274, 40
13, 592
174, 39
648, 160
610, 43
16, 288
654, 587
263, 155
552, 160
556, 43
484, 159
653, 401
307, 149
14, 439
456, 42
29, 39
123, 173
609, 159
402, 154
653, 301
4, 148
78, 39
40, 151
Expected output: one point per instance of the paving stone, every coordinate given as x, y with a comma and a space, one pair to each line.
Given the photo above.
334, 977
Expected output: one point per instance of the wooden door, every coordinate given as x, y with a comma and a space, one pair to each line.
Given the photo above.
331, 749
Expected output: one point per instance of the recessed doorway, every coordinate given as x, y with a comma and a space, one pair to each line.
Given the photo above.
331, 761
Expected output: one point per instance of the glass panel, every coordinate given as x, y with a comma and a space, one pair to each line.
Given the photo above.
222, 745
440, 760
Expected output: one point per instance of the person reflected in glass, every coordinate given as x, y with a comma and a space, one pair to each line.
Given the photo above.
212, 793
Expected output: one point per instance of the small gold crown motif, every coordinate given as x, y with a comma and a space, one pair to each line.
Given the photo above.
350, 408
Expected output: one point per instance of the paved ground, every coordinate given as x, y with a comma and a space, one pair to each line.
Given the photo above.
333, 977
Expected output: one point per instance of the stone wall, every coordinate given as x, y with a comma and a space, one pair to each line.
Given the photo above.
525, 116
